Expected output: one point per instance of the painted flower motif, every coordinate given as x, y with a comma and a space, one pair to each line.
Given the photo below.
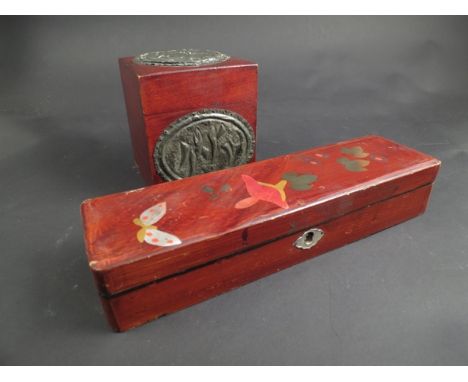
273, 193
150, 233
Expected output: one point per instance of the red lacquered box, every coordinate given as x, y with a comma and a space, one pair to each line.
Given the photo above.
189, 112
162, 248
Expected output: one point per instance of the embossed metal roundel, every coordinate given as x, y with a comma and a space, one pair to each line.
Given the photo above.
203, 141
181, 57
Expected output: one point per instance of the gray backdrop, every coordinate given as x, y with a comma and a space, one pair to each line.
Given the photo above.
398, 297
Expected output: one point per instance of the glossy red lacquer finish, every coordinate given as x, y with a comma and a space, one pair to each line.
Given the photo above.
156, 96
141, 305
231, 211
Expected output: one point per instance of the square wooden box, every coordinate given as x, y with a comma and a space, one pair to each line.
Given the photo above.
162, 248
186, 120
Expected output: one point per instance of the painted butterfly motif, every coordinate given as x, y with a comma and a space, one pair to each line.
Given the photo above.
150, 233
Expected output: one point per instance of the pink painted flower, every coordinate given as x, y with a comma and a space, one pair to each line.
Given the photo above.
273, 193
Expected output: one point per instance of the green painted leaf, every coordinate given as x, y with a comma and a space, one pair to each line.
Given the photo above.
307, 178
301, 186
353, 165
207, 189
299, 182
289, 175
356, 151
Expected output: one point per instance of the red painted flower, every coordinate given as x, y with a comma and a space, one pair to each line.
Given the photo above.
273, 193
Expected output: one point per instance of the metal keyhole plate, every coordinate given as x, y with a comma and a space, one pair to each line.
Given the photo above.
309, 238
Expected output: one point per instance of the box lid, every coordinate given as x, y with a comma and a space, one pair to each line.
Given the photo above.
137, 237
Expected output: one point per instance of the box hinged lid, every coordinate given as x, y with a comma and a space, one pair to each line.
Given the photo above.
136, 237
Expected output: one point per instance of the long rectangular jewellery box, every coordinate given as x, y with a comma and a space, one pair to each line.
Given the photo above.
162, 248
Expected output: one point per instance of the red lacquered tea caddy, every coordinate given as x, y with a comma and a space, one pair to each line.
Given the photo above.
189, 112
159, 249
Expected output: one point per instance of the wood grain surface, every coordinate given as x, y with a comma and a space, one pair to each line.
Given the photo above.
156, 96
217, 214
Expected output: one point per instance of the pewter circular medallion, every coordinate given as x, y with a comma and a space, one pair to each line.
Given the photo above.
181, 57
203, 141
